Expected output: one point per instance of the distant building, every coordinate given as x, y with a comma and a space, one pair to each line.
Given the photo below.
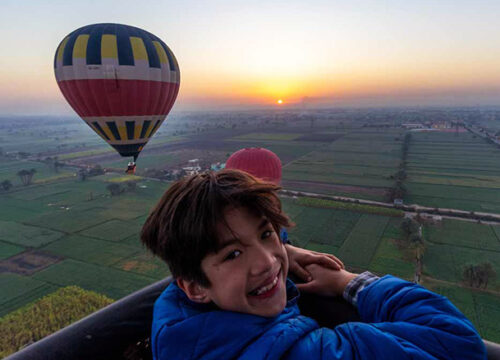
441, 125
412, 126
217, 166
193, 167
192, 170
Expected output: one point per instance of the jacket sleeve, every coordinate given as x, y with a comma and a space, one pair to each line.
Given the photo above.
400, 320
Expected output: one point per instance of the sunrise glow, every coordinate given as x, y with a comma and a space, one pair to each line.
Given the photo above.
322, 53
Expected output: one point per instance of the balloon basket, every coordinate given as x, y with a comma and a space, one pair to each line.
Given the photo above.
130, 168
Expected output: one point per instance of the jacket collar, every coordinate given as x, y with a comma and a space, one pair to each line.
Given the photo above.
202, 330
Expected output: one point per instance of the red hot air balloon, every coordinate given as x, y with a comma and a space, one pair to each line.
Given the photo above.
121, 80
259, 162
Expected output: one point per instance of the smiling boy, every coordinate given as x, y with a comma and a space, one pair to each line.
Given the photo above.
218, 232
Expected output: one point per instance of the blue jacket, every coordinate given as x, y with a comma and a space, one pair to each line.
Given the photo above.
401, 320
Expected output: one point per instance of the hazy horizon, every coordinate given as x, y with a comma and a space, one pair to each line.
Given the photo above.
247, 56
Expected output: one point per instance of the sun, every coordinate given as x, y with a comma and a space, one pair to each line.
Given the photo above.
279, 102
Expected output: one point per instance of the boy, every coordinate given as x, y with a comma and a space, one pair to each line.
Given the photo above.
218, 232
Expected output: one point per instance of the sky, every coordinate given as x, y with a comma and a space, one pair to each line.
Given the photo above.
249, 54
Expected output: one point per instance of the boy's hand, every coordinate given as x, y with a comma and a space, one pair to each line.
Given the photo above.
326, 282
298, 260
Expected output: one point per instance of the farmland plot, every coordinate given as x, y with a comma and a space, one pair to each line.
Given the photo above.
10, 168
105, 280
359, 159
447, 262
361, 244
310, 224
463, 234
450, 170
90, 250
26, 235
144, 263
19, 290
268, 136
391, 256
8, 250
112, 230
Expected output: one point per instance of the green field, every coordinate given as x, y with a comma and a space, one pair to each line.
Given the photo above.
7, 250
102, 279
332, 204
97, 239
361, 244
391, 257
286, 150
90, 250
25, 235
158, 161
46, 316
453, 170
362, 158
96, 236
268, 136
9, 169
19, 290
446, 262
145, 264
464, 234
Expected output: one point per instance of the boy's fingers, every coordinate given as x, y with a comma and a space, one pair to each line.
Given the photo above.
307, 287
337, 260
327, 261
319, 260
301, 272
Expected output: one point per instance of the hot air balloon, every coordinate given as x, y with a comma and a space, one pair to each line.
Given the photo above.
259, 162
121, 80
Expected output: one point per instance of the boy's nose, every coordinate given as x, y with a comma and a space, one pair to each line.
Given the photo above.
262, 261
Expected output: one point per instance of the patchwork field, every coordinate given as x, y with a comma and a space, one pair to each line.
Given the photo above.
377, 243
360, 162
44, 173
453, 170
91, 239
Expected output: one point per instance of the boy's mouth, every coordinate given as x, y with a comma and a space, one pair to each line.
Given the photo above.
266, 290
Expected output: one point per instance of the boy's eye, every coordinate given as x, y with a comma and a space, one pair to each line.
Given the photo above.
266, 234
232, 255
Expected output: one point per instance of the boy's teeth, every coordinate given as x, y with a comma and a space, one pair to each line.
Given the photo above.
266, 288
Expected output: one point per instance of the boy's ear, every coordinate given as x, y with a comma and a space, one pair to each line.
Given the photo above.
194, 291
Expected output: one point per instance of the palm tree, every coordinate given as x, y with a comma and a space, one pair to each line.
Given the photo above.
6, 185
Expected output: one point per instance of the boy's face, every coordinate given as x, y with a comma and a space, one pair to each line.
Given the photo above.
248, 274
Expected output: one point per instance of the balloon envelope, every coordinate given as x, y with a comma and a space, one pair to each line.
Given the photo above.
259, 162
120, 79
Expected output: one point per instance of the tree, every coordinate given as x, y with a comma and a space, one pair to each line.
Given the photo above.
82, 174
6, 185
96, 170
54, 163
412, 230
131, 185
26, 176
478, 275
114, 189
57, 165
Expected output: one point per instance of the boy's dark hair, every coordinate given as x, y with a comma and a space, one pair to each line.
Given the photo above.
182, 229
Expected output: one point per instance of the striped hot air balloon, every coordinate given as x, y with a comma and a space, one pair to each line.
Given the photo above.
259, 162
120, 79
